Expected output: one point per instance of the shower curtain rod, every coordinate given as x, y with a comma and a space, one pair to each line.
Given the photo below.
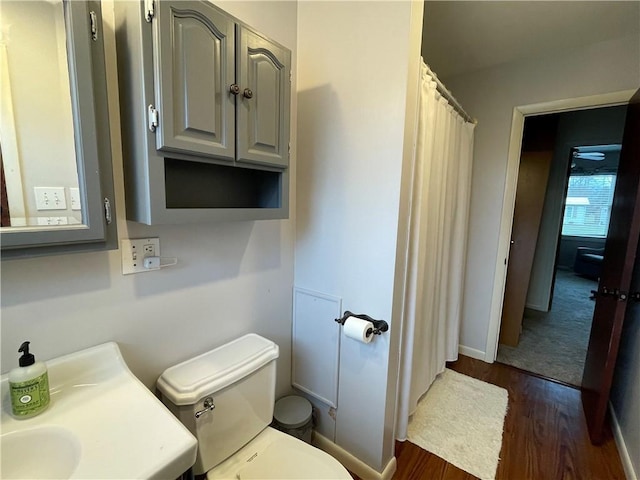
450, 98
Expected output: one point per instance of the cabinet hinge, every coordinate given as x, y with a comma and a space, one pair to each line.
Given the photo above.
107, 211
149, 10
94, 25
153, 118
290, 76
289, 150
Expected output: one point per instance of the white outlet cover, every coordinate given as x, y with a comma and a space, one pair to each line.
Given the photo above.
134, 251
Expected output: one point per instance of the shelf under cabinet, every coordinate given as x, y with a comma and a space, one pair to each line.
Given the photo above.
203, 185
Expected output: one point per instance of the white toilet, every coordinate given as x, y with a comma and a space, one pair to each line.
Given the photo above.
226, 398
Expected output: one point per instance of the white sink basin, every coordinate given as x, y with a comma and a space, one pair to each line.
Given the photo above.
41, 452
102, 422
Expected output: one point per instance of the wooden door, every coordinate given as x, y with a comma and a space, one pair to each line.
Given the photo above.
264, 77
533, 176
194, 70
617, 269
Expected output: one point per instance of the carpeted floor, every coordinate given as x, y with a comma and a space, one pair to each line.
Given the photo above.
554, 344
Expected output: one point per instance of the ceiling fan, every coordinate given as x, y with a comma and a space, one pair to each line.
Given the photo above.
594, 156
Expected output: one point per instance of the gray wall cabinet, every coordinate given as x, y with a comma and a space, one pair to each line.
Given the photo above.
205, 107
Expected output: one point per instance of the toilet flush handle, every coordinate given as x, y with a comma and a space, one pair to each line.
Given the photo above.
208, 406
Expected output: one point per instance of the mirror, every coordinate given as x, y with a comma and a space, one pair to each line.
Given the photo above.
57, 177
36, 117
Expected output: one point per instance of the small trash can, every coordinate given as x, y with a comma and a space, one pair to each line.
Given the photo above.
293, 415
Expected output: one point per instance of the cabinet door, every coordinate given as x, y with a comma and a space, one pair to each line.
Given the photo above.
194, 68
263, 103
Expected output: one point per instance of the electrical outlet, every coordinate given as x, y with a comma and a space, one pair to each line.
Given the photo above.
50, 198
135, 250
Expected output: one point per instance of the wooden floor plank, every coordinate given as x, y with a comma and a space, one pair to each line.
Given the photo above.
545, 434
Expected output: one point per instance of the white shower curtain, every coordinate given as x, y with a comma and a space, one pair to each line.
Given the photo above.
437, 246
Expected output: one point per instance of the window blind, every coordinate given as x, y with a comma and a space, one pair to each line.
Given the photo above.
588, 205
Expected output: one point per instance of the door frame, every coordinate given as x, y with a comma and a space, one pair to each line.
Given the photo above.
511, 182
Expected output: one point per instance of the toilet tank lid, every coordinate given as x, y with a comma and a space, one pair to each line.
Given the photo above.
189, 381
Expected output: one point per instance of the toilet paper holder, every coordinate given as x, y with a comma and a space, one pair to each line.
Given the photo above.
379, 326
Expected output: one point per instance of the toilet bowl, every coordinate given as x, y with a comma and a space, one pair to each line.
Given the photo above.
278, 456
226, 398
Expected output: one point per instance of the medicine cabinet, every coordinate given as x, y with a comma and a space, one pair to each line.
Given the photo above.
57, 177
205, 106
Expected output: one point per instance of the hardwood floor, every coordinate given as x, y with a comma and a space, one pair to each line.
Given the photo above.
545, 434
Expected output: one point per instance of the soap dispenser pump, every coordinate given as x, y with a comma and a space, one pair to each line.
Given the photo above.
29, 385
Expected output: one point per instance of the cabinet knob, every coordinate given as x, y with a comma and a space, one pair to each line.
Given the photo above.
247, 93
235, 89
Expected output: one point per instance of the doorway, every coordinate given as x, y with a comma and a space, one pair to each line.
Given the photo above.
550, 332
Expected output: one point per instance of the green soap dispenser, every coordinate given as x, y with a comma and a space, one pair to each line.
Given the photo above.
29, 385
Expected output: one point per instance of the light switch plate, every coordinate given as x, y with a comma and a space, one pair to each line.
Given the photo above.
50, 198
74, 195
135, 250
53, 221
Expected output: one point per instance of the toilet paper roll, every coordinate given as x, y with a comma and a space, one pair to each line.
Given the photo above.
358, 328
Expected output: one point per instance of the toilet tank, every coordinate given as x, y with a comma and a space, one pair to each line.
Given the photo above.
240, 378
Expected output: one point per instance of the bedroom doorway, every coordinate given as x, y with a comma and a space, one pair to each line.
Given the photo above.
553, 319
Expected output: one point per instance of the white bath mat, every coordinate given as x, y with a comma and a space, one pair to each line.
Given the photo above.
460, 419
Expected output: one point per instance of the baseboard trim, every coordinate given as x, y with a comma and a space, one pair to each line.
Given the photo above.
539, 308
471, 352
352, 463
622, 446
